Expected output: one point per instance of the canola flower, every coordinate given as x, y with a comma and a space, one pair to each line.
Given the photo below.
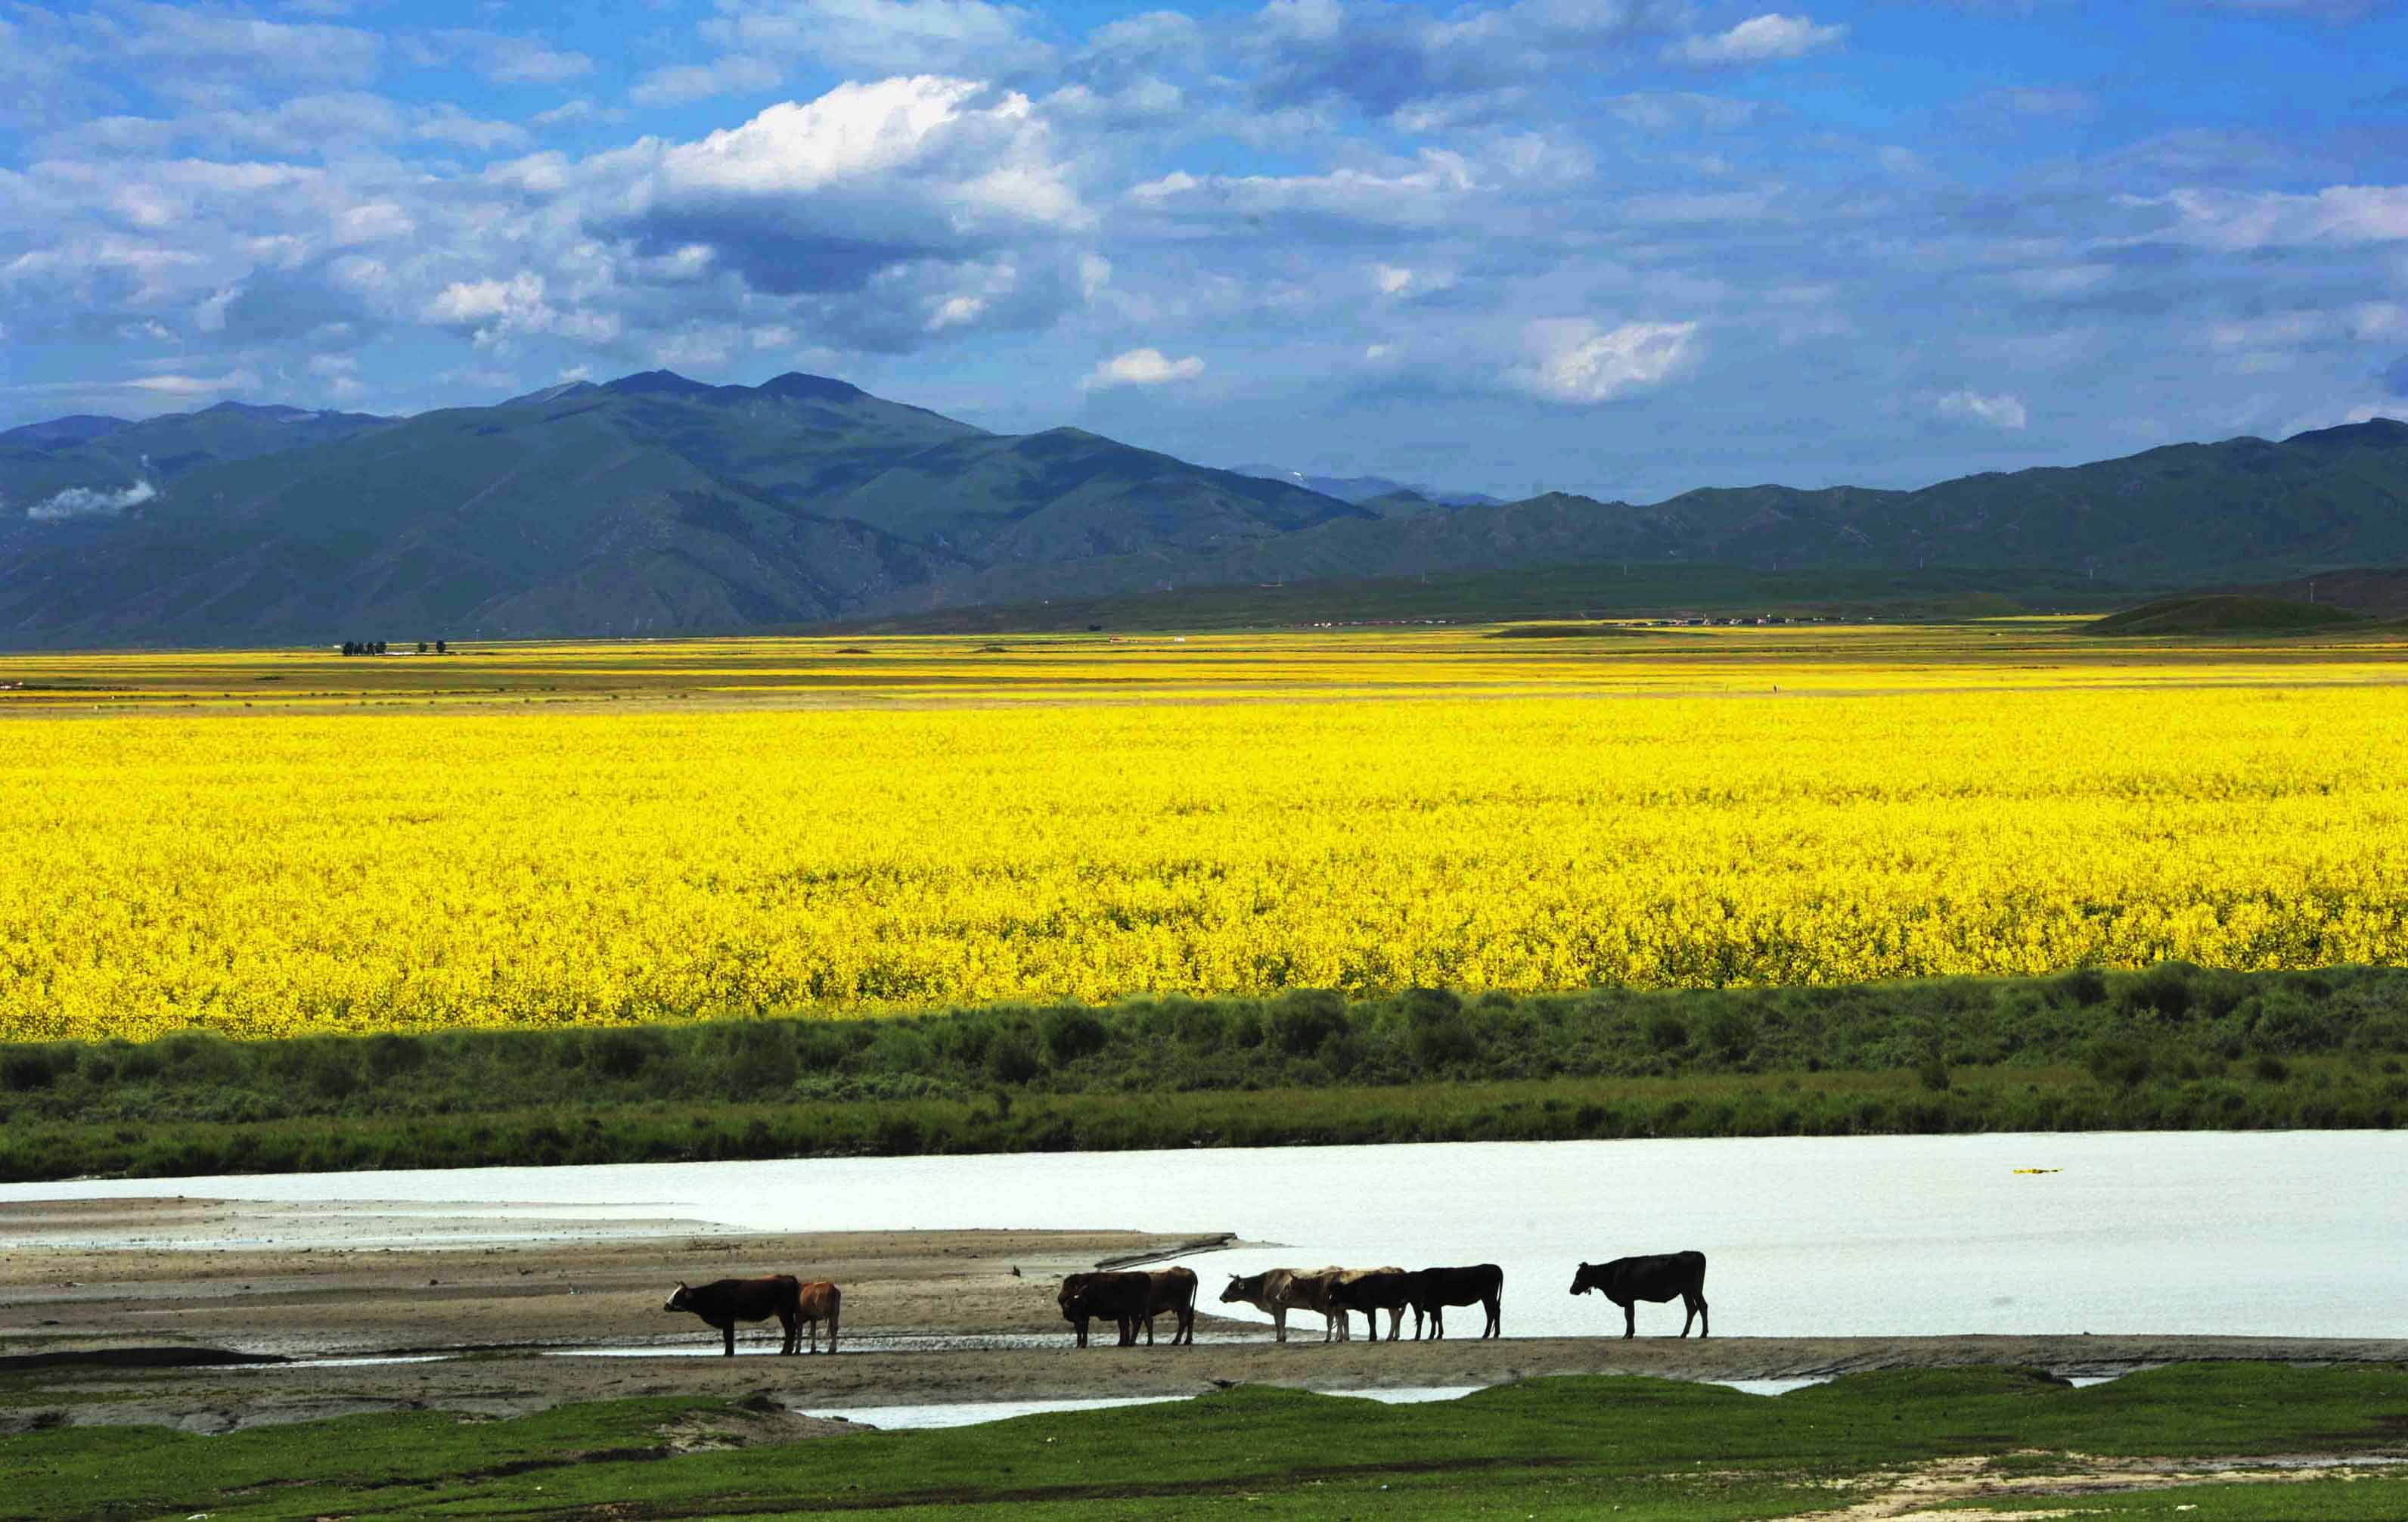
300, 872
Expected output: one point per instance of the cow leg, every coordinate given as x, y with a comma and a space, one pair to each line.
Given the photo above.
1187, 1326
1438, 1323
1149, 1332
1081, 1326
727, 1329
1279, 1320
1496, 1318
1629, 1318
1702, 1325
834, 1311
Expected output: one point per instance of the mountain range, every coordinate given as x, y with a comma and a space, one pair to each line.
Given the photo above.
654, 504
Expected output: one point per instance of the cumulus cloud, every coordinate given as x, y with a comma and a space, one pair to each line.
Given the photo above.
1999, 411
1759, 39
1577, 360
1140, 367
90, 502
850, 189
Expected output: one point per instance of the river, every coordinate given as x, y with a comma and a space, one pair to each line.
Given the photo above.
2301, 1233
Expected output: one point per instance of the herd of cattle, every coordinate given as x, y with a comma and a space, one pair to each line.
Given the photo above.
1134, 1299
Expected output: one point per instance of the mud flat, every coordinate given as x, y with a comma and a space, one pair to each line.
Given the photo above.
106, 1304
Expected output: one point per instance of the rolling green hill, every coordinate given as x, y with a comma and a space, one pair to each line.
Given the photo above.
655, 504
2223, 613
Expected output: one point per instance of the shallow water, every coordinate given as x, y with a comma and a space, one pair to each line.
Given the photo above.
2276, 1233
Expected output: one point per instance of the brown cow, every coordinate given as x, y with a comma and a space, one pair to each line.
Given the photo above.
1086, 1295
819, 1301
727, 1302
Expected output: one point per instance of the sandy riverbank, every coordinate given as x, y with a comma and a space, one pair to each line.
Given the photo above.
498, 1303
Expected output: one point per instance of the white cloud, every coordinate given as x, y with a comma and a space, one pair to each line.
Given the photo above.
882, 37
1758, 39
1140, 367
2238, 220
682, 82
1999, 411
1574, 359
90, 502
196, 385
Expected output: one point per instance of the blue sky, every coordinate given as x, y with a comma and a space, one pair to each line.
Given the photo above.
1620, 246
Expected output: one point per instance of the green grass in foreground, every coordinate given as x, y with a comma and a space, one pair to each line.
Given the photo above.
1557, 1447
2176, 1047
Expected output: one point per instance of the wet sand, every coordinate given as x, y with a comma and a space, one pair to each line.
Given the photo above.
497, 1301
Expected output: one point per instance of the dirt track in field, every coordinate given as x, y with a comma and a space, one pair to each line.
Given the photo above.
929, 1318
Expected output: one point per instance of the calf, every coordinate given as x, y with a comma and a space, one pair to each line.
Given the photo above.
1123, 1299
1662, 1276
727, 1302
1372, 1291
1434, 1289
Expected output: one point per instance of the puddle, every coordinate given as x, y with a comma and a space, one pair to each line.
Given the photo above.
972, 1412
1765, 1387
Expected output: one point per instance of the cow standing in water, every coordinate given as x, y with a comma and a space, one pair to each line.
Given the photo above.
727, 1302
1119, 1297
1432, 1290
1663, 1276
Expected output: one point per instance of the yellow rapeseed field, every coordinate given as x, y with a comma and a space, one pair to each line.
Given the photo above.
314, 868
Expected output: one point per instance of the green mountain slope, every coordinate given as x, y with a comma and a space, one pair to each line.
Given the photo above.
658, 504
41, 460
653, 504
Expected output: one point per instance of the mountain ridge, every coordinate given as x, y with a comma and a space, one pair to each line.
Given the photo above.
654, 503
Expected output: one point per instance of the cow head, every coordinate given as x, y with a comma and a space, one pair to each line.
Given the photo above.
1072, 1300
1591, 1276
679, 1298
1242, 1289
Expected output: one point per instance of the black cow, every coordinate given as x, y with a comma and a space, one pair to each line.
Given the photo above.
1372, 1291
1123, 1299
1662, 1276
1434, 1289
727, 1302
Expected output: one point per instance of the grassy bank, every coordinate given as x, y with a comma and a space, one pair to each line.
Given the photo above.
1646, 1448
2172, 1048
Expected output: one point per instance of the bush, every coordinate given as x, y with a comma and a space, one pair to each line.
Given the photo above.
2272, 1069
1303, 1018
1666, 1033
27, 1067
2164, 990
390, 1056
1073, 1034
2119, 1061
2083, 987
1011, 1061
620, 1051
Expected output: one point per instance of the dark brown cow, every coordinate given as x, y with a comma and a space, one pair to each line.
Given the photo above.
819, 1301
1122, 1299
1373, 1291
1174, 1290
727, 1302
1661, 1276
1434, 1289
